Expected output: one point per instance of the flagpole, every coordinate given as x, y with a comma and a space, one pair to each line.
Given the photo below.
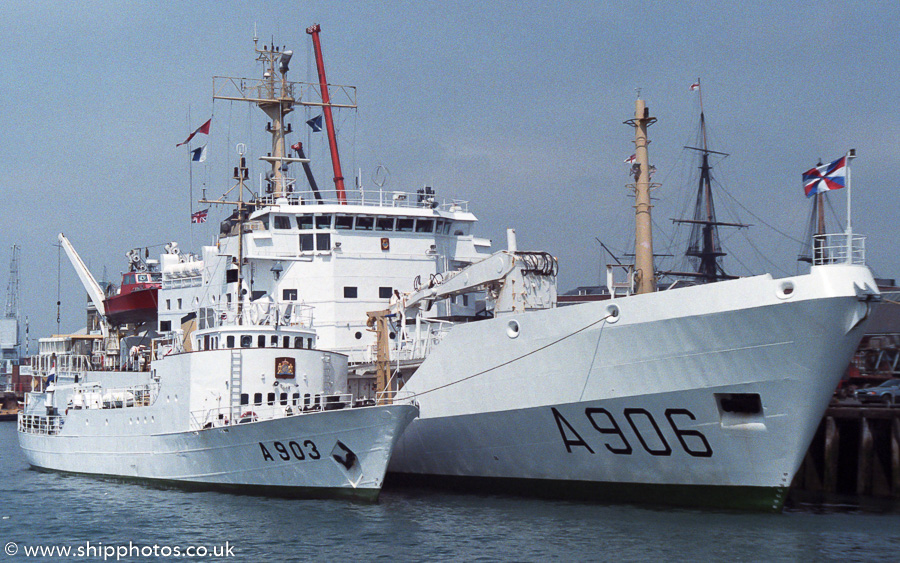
851, 154
191, 183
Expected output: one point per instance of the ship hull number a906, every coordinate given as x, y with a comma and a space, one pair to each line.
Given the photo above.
644, 428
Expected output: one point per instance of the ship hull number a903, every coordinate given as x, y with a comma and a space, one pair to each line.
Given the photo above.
286, 451
645, 431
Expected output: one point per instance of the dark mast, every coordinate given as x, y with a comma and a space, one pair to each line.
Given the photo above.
704, 246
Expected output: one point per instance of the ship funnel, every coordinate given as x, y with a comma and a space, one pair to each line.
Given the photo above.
285, 60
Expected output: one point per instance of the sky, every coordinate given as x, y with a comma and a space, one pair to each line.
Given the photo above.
516, 107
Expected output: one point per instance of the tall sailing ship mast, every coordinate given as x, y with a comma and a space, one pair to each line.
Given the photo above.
704, 246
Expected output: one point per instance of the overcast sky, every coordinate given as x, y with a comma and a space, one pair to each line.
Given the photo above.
516, 107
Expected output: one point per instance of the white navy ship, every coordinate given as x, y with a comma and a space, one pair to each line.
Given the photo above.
225, 385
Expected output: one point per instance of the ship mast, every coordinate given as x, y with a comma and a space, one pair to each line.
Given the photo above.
704, 241
645, 276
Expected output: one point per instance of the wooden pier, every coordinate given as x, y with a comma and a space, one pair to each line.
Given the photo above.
856, 451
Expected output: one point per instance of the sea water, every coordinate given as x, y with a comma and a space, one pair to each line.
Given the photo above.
102, 519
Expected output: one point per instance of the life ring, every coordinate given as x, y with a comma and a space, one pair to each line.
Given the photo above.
246, 417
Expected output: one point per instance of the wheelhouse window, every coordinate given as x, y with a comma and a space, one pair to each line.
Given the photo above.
257, 398
283, 399
306, 243
231, 276
384, 224
298, 342
323, 241
323, 221
405, 224
245, 398
343, 222
229, 342
165, 326
385, 292
304, 222
446, 230
364, 223
286, 342
261, 341
273, 341
270, 398
246, 341
424, 225
349, 292
282, 222
288, 294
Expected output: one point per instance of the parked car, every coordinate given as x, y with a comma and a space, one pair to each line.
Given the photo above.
887, 392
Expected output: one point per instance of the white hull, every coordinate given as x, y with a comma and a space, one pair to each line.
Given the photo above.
633, 409
293, 456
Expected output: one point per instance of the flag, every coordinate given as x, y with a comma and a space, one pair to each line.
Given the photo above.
200, 216
630, 159
199, 155
315, 123
298, 146
202, 129
695, 86
831, 176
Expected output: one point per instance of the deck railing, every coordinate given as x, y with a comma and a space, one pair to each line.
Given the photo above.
372, 198
40, 424
245, 414
839, 248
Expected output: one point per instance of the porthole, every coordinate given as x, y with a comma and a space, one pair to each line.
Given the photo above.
512, 329
358, 335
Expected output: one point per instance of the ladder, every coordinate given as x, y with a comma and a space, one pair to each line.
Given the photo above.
235, 384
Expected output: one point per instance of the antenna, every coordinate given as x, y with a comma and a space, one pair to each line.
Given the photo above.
12, 289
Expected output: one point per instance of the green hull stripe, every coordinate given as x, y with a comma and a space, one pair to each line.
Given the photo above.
366, 495
757, 499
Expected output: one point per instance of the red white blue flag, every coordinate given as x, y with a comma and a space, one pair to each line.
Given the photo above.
204, 129
200, 216
831, 176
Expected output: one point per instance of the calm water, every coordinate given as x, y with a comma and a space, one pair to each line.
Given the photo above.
413, 524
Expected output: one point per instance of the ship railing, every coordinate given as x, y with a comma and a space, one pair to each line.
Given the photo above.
93, 396
265, 313
47, 425
370, 198
839, 248
264, 90
415, 342
70, 364
245, 414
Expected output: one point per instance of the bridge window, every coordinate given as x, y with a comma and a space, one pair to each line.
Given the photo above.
309, 343
323, 221
298, 342
289, 294
273, 342
323, 241
295, 399
405, 225
385, 292
349, 292
246, 341
304, 222
384, 224
270, 398
245, 398
257, 398
283, 399
286, 342
343, 222
365, 223
424, 225
229, 342
306, 243
282, 222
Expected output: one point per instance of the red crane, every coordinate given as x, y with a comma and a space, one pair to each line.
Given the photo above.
329, 121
